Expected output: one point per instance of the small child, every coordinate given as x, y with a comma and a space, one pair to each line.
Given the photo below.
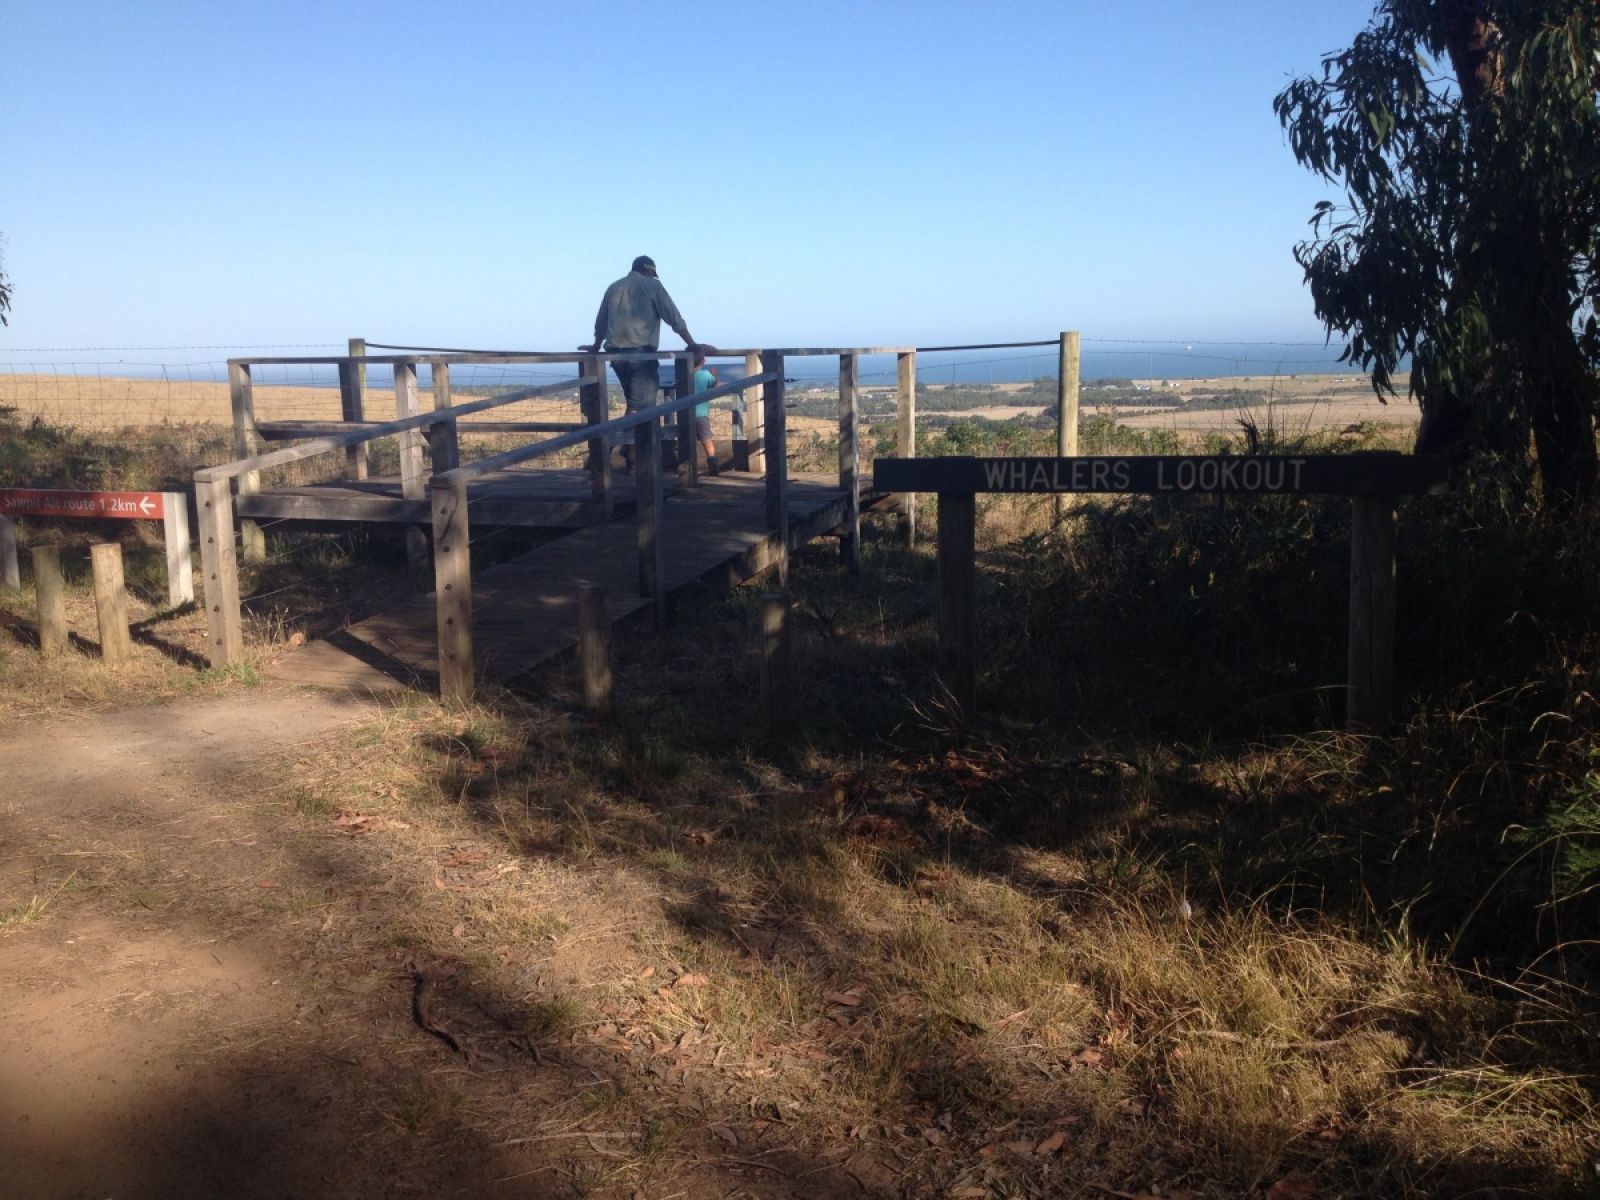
705, 378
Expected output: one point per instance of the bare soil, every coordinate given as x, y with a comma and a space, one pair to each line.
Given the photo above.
215, 985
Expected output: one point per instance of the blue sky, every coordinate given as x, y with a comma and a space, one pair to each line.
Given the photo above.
474, 174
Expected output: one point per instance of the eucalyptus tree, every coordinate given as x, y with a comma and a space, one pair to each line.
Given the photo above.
1466, 138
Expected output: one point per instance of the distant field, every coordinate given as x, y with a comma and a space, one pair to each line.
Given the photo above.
104, 403
92, 403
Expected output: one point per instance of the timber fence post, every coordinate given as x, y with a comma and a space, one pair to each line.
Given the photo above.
444, 446
958, 625
592, 401
850, 459
594, 649
10, 569
755, 438
648, 501
1369, 698
906, 435
452, 585
777, 458
246, 444
777, 660
1066, 408
110, 603
353, 407
413, 481
50, 600
220, 566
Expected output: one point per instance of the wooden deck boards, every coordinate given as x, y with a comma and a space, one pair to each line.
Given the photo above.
551, 496
525, 610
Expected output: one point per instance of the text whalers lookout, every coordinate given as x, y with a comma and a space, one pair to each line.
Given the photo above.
1348, 474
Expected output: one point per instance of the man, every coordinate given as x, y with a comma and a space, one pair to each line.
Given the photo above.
630, 318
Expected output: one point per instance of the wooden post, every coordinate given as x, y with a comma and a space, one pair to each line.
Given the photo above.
180, 554
452, 580
1369, 701
439, 374
688, 445
958, 626
755, 438
595, 405
10, 570
246, 445
1066, 408
358, 352
594, 649
648, 501
850, 460
906, 378
51, 600
110, 603
444, 446
353, 407
777, 660
413, 480
224, 629
776, 421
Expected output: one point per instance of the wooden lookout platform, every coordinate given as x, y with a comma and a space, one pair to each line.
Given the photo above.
630, 539
525, 611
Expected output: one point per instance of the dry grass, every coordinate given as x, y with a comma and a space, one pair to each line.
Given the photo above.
1008, 1025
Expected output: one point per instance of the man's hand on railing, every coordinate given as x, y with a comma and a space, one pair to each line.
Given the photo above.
705, 348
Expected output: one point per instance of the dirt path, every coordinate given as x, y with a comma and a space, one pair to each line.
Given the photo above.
206, 982
134, 1024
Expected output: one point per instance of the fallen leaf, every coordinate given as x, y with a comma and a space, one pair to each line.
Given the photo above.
1292, 1187
691, 981
725, 1133
1053, 1143
850, 997
647, 972
1089, 1056
1020, 1147
265, 883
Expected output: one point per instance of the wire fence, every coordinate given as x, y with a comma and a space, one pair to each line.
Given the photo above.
161, 400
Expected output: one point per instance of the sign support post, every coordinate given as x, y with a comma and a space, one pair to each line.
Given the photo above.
10, 573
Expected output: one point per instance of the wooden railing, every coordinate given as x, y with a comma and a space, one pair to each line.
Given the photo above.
765, 449
452, 529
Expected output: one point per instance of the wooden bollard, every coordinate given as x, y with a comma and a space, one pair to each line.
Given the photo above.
777, 659
110, 603
594, 648
51, 600
10, 572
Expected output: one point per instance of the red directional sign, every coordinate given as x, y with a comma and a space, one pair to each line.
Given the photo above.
129, 506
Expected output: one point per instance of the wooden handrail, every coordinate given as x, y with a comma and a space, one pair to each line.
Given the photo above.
367, 433
461, 475
559, 357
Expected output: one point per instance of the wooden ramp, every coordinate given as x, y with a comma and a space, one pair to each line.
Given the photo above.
525, 610
520, 495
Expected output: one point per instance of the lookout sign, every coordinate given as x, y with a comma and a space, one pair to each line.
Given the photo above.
1372, 480
1219, 474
